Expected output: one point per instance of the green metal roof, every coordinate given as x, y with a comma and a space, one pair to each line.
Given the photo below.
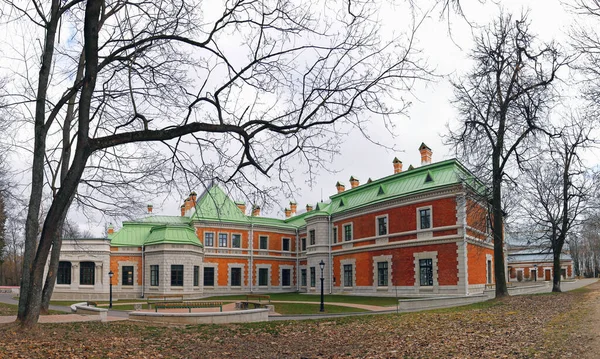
173, 234
214, 204
132, 234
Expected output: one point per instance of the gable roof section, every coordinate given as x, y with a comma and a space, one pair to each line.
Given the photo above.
214, 204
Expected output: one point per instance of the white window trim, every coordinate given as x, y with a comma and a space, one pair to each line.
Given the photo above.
387, 228
219, 240
261, 236
352, 262
120, 279
231, 240
308, 244
269, 273
229, 267
214, 239
488, 258
430, 219
281, 268
434, 268
334, 238
351, 224
288, 238
216, 275
376, 260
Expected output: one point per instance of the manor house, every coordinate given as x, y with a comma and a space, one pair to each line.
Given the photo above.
420, 231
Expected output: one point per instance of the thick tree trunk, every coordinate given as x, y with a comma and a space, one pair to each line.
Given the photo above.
37, 169
61, 202
556, 272
499, 275
52, 273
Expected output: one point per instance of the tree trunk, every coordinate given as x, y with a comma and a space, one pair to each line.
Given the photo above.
556, 272
61, 202
51, 276
499, 275
37, 169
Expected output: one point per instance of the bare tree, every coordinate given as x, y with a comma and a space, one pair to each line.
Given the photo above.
231, 95
558, 190
500, 104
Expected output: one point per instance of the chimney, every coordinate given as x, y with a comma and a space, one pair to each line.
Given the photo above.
340, 187
425, 154
255, 211
149, 208
397, 165
193, 197
353, 182
182, 210
188, 204
110, 229
241, 206
293, 207
288, 213
309, 207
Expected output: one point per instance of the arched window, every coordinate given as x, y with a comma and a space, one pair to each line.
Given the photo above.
63, 276
86, 273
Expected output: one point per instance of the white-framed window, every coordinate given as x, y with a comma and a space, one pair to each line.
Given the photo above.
312, 236
381, 225
334, 234
223, 239
424, 218
236, 240
348, 235
263, 242
209, 239
286, 244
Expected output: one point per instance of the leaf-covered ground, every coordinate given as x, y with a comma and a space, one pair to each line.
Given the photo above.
538, 326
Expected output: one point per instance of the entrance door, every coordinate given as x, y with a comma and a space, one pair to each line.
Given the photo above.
534, 274
547, 274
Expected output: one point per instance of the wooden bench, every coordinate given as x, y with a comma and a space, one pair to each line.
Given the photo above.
188, 305
258, 298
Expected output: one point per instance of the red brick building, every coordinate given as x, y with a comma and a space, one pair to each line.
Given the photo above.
414, 232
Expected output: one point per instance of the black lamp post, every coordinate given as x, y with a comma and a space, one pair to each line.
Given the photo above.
322, 265
536, 273
110, 275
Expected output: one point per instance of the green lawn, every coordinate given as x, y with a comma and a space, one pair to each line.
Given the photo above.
10, 309
297, 308
333, 298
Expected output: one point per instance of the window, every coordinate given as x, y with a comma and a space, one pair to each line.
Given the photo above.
334, 235
489, 272
303, 277
382, 274
285, 277
311, 234
177, 275
313, 276
209, 239
209, 276
236, 277
236, 241
425, 218
154, 275
263, 242
303, 240
63, 276
382, 225
263, 276
86, 273
127, 275
196, 276
286, 244
426, 271
223, 239
347, 232
347, 275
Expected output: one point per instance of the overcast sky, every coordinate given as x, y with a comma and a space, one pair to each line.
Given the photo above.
431, 109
